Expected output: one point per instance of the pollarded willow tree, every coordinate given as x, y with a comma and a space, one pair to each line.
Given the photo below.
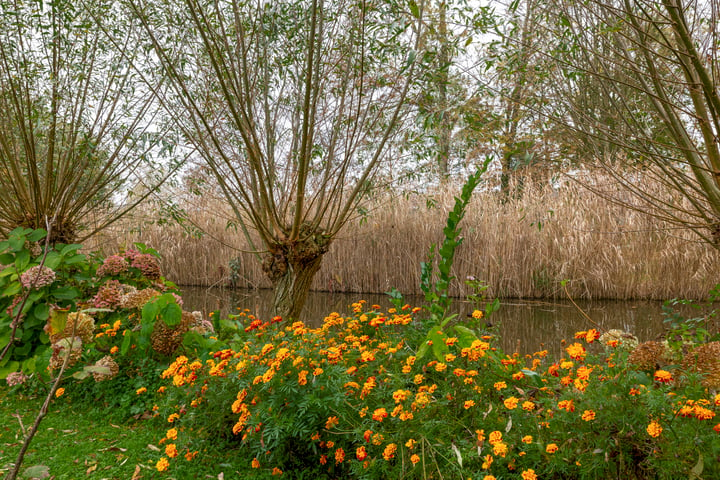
292, 105
653, 65
74, 128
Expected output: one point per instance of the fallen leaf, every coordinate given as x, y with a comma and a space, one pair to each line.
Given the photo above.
136, 473
153, 448
91, 469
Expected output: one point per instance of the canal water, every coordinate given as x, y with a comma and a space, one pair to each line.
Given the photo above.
523, 325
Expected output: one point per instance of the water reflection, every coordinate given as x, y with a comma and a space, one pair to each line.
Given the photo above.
525, 326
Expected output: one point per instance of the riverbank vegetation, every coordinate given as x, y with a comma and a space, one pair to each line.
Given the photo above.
552, 231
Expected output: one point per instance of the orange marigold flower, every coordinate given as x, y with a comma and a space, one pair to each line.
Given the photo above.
499, 385
318, 371
140, 391
400, 395
450, 341
576, 351
588, 415
276, 471
389, 452
477, 314
518, 376
489, 477
527, 439
190, 455
663, 376
171, 434
592, 335
59, 392
162, 464
379, 414
339, 455
528, 406
480, 435
500, 449
367, 435
717, 428
487, 461
410, 443
654, 429
323, 459
361, 453
114, 350
331, 422
510, 403
418, 379
634, 391
529, 474
468, 404
173, 417
171, 450
440, 367
551, 448
495, 437
414, 458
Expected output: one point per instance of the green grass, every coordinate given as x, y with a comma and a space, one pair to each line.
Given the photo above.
80, 441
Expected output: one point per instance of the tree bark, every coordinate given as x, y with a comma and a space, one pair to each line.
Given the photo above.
291, 267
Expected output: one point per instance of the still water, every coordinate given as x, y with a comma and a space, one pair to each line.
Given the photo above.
524, 326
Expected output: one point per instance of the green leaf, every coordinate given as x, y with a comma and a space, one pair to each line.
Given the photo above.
66, 293
150, 311
16, 243
8, 368
171, 314
126, 343
414, 9
37, 235
697, 469
41, 311
36, 471
7, 258
11, 290
67, 249
53, 259
22, 260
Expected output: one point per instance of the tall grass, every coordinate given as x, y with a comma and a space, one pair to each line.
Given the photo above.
521, 248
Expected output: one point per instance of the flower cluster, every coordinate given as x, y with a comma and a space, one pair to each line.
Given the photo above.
37, 277
353, 397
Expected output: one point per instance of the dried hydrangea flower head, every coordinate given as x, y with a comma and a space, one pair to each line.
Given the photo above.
138, 298
649, 356
705, 359
623, 339
37, 277
148, 265
112, 265
106, 362
16, 378
109, 295
82, 324
65, 347
166, 339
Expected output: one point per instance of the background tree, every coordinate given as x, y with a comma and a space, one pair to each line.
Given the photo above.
291, 105
74, 127
654, 69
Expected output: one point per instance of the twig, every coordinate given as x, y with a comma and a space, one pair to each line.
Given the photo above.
564, 285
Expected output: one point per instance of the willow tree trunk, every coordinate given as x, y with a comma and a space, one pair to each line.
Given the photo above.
291, 267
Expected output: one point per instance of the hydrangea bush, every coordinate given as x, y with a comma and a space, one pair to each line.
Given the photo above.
352, 399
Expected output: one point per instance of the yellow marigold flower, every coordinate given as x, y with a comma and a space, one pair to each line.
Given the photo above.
276, 471
510, 403
161, 389
499, 385
518, 376
529, 474
140, 391
418, 379
588, 415
162, 464
173, 417
414, 458
171, 434
567, 405
576, 351
339, 455
59, 392
500, 449
477, 314
551, 448
489, 477
379, 414
527, 439
654, 429
400, 395
114, 350
406, 415
331, 422
495, 437
318, 371
528, 406
389, 452
440, 367
255, 463
468, 404
171, 450
487, 461
449, 357
377, 439
361, 453
363, 412
190, 455
410, 443
663, 376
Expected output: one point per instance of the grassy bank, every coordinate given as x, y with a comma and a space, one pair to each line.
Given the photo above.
522, 248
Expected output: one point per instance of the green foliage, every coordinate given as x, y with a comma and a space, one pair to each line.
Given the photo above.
698, 329
350, 400
19, 253
435, 287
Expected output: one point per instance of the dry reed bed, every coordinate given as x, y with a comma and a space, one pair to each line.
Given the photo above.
522, 248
